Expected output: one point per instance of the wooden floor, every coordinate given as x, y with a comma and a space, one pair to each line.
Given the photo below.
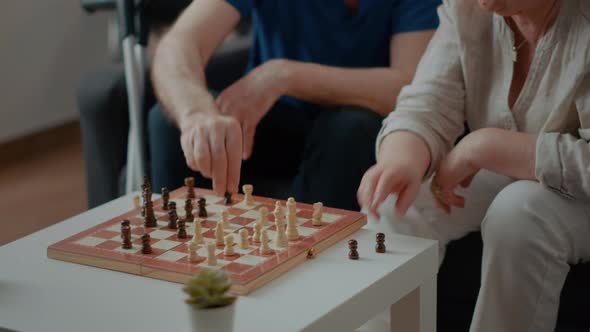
41, 188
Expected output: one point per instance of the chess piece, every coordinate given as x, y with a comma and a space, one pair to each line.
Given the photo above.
181, 229
380, 246
148, 205
198, 232
219, 234
192, 252
225, 218
165, 198
172, 216
291, 205
202, 210
136, 202
244, 239
188, 210
248, 189
228, 200
263, 216
316, 217
264, 248
278, 213
292, 233
211, 259
126, 234
229, 245
257, 231
144, 186
190, 184
352, 246
280, 240
146, 247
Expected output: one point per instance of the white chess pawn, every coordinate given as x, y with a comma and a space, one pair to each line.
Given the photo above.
264, 248
136, 202
278, 213
263, 218
192, 252
248, 189
198, 232
257, 231
225, 218
244, 239
211, 259
316, 217
229, 245
280, 240
292, 233
219, 233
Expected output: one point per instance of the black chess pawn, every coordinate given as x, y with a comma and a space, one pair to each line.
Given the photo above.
380, 246
165, 198
353, 253
172, 216
126, 234
181, 229
202, 209
188, 211
146, 247
190, 184
228, 199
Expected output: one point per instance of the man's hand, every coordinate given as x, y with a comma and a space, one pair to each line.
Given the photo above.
403, 160
250, 98
212, 145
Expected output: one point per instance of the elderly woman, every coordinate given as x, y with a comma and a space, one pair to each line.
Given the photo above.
518, 72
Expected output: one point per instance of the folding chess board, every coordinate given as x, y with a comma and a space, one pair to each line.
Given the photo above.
101, 246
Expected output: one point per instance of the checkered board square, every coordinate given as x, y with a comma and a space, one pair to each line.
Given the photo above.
101, 246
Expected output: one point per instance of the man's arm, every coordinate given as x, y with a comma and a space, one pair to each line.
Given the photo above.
183, 53
373, 88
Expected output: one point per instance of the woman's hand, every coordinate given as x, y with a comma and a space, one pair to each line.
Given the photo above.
403, 160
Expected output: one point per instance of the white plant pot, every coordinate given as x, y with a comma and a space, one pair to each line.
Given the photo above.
213, 320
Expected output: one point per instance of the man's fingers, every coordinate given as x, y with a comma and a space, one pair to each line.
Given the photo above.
202, 153
467, 182
233, 146
186, 142
219, 159
248, 141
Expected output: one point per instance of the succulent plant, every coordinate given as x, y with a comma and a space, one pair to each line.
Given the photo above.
208, 289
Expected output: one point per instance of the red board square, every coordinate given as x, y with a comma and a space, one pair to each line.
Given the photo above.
208, 224
152, 241
236, 211
236, 267
109, 245
210, 234
241, 221
177, 239
305, 214
105, 234
229, 258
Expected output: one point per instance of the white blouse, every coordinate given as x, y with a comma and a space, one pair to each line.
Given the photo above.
466, 74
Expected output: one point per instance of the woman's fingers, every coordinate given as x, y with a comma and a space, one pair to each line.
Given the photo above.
385, 186
406, 198
367, 186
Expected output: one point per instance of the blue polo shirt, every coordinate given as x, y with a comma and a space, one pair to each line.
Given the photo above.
327, 32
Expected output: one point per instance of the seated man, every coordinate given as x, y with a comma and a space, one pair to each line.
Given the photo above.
322, 75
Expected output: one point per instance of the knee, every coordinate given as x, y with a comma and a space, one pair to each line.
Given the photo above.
518, 220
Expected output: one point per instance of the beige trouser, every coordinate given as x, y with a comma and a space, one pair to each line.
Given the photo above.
530, 235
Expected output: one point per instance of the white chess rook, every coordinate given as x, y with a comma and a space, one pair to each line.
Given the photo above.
316, 218
211, 259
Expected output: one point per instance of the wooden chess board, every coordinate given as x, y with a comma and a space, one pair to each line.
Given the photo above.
101, 246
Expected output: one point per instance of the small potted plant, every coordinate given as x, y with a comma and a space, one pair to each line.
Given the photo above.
210, 306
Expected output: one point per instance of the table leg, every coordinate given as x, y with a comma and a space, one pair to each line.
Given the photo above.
416, 312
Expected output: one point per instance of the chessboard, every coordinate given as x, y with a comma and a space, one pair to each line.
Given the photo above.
101, 246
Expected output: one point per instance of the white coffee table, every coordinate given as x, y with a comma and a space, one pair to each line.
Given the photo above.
328, 293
